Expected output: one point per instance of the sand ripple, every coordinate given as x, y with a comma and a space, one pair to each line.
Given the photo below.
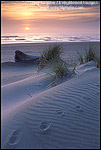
63, 117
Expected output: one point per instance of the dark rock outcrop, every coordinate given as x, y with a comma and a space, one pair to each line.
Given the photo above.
22, 57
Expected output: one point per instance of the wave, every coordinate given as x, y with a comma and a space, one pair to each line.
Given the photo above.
75, 38
11, 36
20, 39
32, 38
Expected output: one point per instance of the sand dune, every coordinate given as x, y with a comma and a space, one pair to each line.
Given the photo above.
24, 89
66, 116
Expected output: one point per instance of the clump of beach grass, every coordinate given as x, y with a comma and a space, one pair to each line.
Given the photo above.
60, 69
49, 55
74, 68
60, 72
52, 53
97, 61
90, 54
80, 58
51, 58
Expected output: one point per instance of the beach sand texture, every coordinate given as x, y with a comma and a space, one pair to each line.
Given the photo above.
66, 116
69, 49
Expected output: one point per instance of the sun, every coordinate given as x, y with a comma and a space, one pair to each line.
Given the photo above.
27, 28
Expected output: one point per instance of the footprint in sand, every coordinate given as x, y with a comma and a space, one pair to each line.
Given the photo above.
87, 98
12, 139
98, 85
44, 126
78, 108
60, 112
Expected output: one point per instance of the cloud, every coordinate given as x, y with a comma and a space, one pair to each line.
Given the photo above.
16, 14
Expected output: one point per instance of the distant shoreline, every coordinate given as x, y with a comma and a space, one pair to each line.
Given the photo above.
52, 42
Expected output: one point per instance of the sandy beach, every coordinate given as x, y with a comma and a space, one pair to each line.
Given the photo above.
69, 49
66, 116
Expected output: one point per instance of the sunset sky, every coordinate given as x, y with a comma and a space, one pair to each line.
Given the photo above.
25, 17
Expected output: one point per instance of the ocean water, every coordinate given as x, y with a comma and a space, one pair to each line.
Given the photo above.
48, 37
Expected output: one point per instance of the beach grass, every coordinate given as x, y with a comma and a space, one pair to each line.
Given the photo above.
53, 52
97, 61
60, 69
80, 58
50, 54
74, 68
52, 57
90, 54
60, 72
